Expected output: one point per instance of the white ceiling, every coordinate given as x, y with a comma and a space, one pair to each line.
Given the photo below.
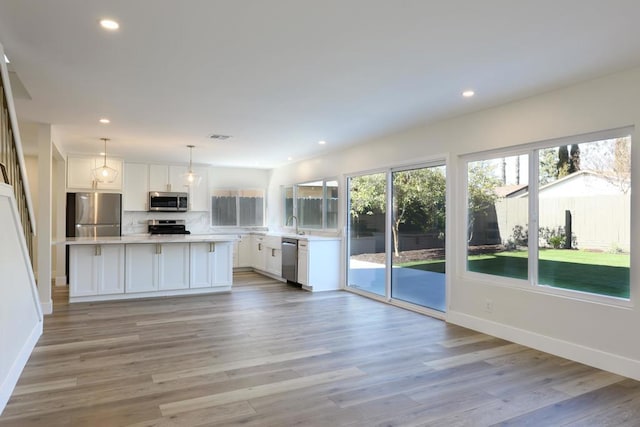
280, 75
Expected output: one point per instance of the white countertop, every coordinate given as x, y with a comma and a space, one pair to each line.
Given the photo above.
147, 238
299, 236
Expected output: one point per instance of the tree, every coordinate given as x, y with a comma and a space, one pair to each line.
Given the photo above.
367, 195
562, 166
482, 183
418, 197
548, 170
574, 159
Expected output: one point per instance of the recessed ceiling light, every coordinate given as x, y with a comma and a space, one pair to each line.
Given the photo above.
468, 93
322, 142
109, 24
6, 60
105, 121
289, 158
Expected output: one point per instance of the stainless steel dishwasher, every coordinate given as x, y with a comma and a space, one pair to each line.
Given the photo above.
290, 259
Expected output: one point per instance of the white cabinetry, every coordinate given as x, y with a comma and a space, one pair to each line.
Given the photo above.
242, 252
303, 262
211, 264
171, 178
157, 266
136, 187
319, 264
258, 253
166, 178
96, 270
273, 255
79, 176
199, 194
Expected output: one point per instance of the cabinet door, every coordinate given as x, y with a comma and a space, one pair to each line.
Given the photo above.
222, 271
111, 269
158, 178
79, 172
199, 198
258, 252
245, 248
274, 261
141, 268
136, 187
176, 178
303, 263
173, 266
202, 265
83, 270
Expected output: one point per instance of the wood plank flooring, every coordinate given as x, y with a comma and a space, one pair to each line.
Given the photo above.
270, 354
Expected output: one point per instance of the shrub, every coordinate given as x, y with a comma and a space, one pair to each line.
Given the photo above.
555, 238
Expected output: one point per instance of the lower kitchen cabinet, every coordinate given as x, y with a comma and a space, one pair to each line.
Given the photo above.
211, 264
156, 267
242, 252
319, 264
267, 254
274, 260
96, 270
258, 253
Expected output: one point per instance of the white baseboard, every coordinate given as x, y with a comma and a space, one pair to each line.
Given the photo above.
589, 356
47, 307
61, 280
10, 381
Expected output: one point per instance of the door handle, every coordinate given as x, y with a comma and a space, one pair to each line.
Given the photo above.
212, 247
98, 250
158, 248
273, 252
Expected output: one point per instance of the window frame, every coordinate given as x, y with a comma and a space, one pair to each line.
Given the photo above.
237, 194
285, 220
532, 283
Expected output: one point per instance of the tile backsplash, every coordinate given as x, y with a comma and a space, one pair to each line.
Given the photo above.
136, 222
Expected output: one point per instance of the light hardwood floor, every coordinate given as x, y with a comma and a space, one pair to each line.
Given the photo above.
269, 354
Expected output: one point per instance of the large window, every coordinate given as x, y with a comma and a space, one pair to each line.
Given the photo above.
240, 208
497, 223
313, 204
557, 216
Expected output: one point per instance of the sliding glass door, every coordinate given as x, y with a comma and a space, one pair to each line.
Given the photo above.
396, 235
418, 227
367, 226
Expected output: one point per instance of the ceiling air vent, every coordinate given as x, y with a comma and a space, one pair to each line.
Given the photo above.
219, 137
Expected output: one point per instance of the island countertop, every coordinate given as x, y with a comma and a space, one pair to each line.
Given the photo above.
148, 238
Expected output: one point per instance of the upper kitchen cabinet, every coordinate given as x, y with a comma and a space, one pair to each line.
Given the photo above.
167, 178
136, 187
141, 178
199, 194
79, 176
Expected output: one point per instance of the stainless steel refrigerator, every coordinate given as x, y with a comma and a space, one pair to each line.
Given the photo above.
93, 214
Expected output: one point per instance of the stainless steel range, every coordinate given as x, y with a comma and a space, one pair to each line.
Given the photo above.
167, 226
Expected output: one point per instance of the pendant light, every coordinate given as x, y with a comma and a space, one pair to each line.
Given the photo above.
104, 173
190, 178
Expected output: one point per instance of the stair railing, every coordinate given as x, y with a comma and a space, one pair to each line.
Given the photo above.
12, 168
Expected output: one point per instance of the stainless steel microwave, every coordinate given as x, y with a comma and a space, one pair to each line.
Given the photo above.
168, 201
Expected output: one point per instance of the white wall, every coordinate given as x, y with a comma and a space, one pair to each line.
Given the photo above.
594, 333
20, 315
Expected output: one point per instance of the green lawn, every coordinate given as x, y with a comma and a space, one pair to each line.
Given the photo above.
594, 272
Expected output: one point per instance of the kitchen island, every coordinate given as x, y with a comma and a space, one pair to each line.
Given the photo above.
143, 266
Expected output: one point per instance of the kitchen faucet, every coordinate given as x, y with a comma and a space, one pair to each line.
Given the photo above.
291, 218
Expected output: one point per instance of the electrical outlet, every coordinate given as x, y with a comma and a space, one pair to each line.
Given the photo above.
488, 305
